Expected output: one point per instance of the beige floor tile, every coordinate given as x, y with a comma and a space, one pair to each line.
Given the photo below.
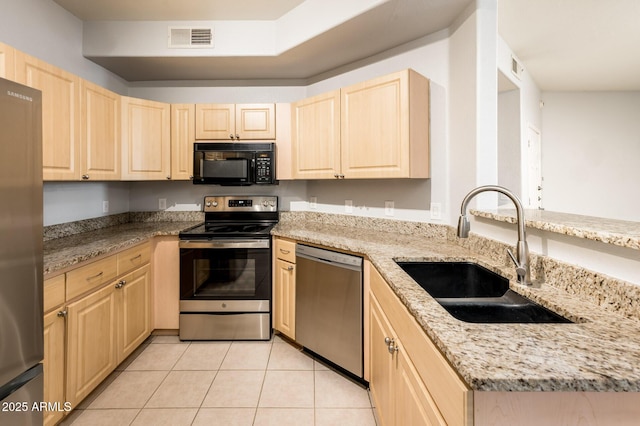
85, 403
158, 357
203, 356
235, 388
131, 389
225, 417
335, 391
318, 366
182, 389
345, 417
287, 389
165, 417
284, 417
105, 417
285, 356
247, 356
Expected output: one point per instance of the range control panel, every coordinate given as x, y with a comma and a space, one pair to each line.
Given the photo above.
241, 203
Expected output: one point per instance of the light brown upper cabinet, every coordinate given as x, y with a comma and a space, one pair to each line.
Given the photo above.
60, 115
146, 140
383, 130
235, 122
7, 62
100, 147
315, 137
183, 129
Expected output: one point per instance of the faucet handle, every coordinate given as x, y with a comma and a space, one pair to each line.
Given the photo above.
520, 269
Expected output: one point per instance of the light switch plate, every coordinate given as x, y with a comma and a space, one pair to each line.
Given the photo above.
105, 207
436, 211
313, 203
388, 208
162, 203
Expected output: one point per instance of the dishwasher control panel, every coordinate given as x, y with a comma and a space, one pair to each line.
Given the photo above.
328, 256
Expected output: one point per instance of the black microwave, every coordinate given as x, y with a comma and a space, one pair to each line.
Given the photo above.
234, 164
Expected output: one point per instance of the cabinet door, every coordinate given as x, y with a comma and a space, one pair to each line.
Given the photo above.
91, 342
414, 405
101, 130
134, 311
146, 140
315, 137
54, 326
381, 375
285, 298
183, 135
215, 121
255, 122
60, 115
385, 127
7, 62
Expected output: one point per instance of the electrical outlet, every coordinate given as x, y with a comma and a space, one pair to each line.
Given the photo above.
162, 203
388, 208
348, 206
436, 211
313, 203
105, 207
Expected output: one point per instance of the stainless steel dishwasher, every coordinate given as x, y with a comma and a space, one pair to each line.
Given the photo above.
329, 306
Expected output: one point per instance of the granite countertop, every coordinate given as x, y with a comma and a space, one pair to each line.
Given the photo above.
600, 352
621, 233
62, 253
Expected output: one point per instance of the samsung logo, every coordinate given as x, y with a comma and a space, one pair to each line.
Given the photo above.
20, 96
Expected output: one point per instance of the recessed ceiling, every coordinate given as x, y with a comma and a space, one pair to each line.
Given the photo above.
378, 25
575, 44
182, 10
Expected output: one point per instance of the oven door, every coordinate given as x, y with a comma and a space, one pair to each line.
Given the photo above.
237, 270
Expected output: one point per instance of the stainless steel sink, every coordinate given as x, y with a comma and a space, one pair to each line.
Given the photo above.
472, 293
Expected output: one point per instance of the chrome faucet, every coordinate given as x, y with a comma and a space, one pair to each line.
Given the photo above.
521, 258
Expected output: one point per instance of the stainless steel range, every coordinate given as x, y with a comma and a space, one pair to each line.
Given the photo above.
225, 270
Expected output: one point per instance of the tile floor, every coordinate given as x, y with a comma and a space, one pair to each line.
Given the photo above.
168, 382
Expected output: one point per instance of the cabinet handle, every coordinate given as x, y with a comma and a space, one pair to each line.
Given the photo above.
231, 136
136, 257
121, 283
341, 176
283, 251
95, 276
62, 314
191, 177
85, 177
237, 136
289, 268
391, 346
169, 177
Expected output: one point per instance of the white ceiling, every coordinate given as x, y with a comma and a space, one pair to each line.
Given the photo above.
563, 44
575, 44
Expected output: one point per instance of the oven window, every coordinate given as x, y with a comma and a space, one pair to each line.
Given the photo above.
225, 277
225, 274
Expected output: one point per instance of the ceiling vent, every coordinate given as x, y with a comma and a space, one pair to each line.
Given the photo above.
190, 38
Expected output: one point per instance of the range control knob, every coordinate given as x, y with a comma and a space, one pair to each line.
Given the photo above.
214, 204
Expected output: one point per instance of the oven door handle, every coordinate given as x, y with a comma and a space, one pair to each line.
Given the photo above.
224, 244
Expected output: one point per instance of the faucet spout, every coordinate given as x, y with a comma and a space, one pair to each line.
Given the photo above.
521, 258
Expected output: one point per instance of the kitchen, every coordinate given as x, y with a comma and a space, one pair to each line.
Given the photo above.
456, 147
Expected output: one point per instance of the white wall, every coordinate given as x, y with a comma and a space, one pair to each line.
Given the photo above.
509, 143
591, 153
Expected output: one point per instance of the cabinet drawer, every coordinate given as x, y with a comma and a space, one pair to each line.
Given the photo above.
91, 276
53, 292
133, 258
285, 250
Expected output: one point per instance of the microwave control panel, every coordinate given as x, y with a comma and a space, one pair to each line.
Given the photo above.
263, 168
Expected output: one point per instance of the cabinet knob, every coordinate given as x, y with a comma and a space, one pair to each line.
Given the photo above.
169, 177
237, 136
62, 314
121, 283
337, 176
231, 135
85, 177
289, 268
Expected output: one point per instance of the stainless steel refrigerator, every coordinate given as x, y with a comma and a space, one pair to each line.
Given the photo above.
21, 319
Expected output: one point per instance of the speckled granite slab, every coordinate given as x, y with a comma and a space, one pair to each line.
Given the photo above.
62, 253
600, 352
610, 231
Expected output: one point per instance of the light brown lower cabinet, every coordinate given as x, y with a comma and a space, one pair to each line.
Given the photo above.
53, 364
410, 380
284, 287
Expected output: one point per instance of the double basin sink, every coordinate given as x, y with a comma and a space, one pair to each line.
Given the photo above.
472, 293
